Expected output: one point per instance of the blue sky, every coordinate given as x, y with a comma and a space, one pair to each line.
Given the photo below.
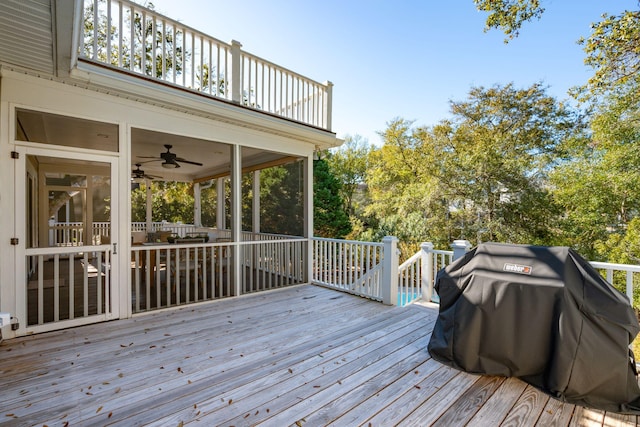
401, 58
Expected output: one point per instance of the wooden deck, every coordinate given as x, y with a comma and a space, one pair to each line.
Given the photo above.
304, 355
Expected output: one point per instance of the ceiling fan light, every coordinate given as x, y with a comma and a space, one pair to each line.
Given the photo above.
169, 165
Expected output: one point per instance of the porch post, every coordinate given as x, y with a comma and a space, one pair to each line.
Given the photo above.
307, 168
197, 204
460, 247
236, 82
255, 227
149, 206
236, 216
426, 269
220, 214
328, 105
390, 271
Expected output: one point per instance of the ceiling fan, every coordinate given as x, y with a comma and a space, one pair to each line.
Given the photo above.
169, 159
138, 173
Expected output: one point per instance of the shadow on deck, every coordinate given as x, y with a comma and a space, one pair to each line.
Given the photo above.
303, 355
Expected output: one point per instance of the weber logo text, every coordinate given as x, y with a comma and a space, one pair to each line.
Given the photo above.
515, 268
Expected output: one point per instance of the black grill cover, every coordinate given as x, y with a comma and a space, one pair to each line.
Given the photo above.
542, 314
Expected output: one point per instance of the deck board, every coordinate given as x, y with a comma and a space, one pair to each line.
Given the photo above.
304, 355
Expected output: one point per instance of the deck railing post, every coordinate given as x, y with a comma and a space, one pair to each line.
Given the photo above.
460, 247
426, 269
390, 270
327, 105
236, 78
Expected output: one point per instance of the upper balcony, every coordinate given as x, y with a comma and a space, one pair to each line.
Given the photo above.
128, 38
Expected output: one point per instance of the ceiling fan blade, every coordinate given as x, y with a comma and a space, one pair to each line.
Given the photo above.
180, 159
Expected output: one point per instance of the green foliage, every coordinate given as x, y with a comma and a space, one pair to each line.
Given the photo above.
329, 217
509, 15
480, 176
349, 165
281, 200
171, 201
613, 51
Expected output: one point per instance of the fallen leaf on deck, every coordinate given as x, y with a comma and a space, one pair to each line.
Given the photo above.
99, 409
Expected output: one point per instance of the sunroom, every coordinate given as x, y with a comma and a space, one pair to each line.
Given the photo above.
145, 101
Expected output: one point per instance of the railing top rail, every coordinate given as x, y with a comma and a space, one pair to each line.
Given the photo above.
613, 266
353, 242
64, 250
410, 261
167, 245
281, 68
441, 252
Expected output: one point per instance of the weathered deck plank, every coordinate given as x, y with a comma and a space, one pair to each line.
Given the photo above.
299, 356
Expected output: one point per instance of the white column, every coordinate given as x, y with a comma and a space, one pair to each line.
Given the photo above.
149, 206
256, 203
307, 171
390, 271
236, 215
220, 213
197, 205
426, 268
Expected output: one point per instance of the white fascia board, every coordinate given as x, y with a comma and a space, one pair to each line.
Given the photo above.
179, 99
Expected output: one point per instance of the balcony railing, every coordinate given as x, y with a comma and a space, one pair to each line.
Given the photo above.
132, 38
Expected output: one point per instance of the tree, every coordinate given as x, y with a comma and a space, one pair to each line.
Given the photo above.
481, 176
349, 165
281, 203
171, 201
612, 49
509, 15
495, 163
329, 217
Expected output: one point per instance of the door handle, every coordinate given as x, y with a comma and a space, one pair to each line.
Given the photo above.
115, 249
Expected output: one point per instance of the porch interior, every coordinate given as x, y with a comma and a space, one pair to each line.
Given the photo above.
303, 355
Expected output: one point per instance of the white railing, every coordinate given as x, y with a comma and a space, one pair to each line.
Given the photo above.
67, 283
273, 264
350, 266
622, 276
66, 234
138, 40
417, 274
167, 275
